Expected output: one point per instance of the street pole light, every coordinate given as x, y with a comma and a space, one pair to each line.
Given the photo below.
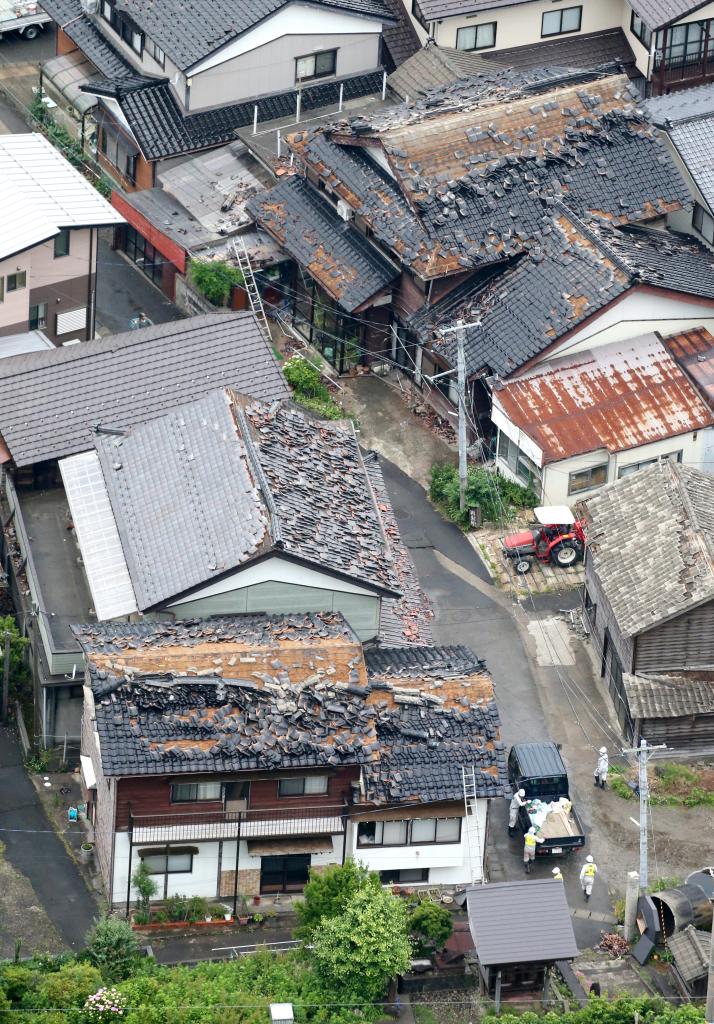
643, 753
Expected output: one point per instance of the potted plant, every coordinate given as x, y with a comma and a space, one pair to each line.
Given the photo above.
256, 901
85, 852
258, 918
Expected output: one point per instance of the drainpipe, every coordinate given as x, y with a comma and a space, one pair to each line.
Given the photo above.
90, 292
235, 878
131, 850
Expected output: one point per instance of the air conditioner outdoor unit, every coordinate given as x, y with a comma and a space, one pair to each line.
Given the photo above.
345, 210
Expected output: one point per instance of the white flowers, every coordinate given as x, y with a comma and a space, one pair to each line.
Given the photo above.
106, 1004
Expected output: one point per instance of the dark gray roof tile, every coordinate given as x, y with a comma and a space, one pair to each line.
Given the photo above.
521, 922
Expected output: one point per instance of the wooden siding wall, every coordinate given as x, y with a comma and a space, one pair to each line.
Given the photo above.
686, 642
692, 733
605, 619
153, 795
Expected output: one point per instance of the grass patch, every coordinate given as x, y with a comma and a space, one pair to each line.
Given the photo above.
424, 1015
309, 389
671, 784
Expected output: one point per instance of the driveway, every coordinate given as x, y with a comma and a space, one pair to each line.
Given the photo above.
35, 851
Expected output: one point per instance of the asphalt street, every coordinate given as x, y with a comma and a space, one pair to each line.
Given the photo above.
37, 852
123, 291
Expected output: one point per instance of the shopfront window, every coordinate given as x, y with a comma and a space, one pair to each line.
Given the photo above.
335, 334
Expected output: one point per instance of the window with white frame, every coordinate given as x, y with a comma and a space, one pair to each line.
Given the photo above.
476, 37
415, 832
302, 785
633, 467
193, 792
315, 65
557, 23
175, 862
703, 222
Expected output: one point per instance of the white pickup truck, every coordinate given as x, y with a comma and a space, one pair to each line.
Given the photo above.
25, 17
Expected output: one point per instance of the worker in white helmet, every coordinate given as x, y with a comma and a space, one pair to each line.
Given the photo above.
517, 801
603, 766
587, 876
530, 840
557, 874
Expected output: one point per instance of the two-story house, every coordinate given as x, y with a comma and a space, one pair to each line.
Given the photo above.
649, 598
514, 201
54, 404
234, 756
50, 218
670, 43
175, 78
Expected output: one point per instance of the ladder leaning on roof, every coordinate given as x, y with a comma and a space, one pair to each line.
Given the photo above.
256, 302
475, 850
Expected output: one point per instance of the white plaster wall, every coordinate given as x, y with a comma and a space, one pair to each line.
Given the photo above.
448, 863
50, 270
520, 25
640, 312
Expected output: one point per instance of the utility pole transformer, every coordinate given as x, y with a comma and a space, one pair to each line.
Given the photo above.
461, 388
643, 753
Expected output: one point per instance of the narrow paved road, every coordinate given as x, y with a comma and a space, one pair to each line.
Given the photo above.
37, 852
123, 291
469, 610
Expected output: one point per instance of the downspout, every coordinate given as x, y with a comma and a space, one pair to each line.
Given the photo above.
131, 850
665, 33
90, 293
235, 875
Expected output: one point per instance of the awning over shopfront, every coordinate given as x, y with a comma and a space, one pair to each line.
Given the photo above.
285, 847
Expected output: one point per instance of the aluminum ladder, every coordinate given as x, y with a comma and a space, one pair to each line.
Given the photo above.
246, 269
476, 855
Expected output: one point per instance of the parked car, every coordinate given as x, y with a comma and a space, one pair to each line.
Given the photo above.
22, 16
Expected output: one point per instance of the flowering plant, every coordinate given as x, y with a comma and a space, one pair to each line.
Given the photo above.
106, 1004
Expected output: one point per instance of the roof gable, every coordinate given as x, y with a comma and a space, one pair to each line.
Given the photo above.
648, 583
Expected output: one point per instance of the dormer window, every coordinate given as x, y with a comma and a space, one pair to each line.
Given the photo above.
155, 52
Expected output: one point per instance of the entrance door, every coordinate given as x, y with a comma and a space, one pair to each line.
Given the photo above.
284, 874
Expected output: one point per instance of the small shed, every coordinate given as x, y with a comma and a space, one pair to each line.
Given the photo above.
690, 960
520, 930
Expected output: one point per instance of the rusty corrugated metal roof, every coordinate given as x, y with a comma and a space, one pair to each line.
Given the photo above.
616, 397
694, 351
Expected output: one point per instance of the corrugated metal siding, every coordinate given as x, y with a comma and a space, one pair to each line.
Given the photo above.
686, 642
690, 733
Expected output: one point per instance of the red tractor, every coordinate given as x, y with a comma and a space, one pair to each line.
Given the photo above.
556, 537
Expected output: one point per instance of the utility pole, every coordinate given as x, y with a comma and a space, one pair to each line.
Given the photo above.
461, 388
6, 677
643, 753
709, 1015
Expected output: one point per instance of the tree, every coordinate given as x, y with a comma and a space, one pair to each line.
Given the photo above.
18, 645
359, 951
430, 926
145, 887
214, 279
327, 894
113, 947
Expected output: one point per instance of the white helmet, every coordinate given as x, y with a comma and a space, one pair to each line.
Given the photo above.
531, 831
589, 859
603, 750
521, 792
556, 871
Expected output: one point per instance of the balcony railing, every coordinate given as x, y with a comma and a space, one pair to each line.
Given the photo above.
266, 823
689, 68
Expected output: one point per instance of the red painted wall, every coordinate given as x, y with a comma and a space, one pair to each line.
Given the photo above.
168, 248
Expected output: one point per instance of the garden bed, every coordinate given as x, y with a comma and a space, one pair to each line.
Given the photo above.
671, 784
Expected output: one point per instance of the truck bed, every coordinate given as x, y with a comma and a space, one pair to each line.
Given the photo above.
10, 19
559, 825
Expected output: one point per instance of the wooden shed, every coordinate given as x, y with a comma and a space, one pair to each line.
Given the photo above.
674, 709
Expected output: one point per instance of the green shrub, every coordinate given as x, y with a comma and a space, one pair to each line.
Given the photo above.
5, 1008
328, 409
214, 279
16, 980
175, 907
492, 493
327, 894
145, 888
619, 786
196, 908
305, 379
430, 925
69, 986
113, 948
674, 774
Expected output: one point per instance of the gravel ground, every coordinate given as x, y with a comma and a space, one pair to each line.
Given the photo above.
22, 918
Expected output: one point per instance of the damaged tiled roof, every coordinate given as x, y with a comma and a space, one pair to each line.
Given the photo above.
616, 396
292, 486
433, 66
647, 583
333, 251
422, 662
188, 30
690, 949
286, 692
473, 185
670, 696
50, 401
161, 129
593, 50
400, 38
574, 271
407, 619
